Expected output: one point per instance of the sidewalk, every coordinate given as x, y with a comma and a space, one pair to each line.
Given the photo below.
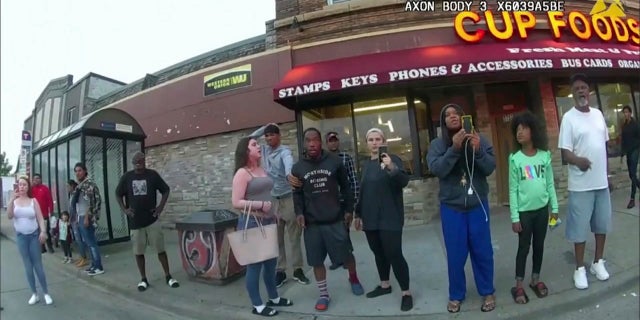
424, 251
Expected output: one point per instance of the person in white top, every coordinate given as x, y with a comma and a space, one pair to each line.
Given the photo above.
583, 143
30, 235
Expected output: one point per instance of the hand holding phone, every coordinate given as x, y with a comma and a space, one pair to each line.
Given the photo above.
381, 151
467, 124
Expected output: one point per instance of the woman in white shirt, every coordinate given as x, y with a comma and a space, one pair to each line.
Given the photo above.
30, 234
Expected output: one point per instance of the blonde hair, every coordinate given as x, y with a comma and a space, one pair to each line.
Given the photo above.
375, 130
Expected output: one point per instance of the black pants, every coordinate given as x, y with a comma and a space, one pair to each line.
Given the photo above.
534, 225
66, 247
387, 248
632, 166
49, 243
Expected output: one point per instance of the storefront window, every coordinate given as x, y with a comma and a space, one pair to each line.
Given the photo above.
334, 118
35, 166
614, 96
391, 116
424, 136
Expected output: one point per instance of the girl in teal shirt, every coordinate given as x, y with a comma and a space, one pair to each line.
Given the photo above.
531, 192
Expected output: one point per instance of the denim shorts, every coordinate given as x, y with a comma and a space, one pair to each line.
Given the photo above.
588, 208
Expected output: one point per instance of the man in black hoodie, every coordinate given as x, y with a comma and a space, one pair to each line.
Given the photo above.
462, 161
317, 206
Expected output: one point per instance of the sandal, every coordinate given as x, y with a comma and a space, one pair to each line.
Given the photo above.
322, 304
454, 306
519, 296
540, 289
489, 303
266, 312
282, 303
143, 285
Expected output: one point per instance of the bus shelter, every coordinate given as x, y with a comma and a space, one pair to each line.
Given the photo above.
104, 141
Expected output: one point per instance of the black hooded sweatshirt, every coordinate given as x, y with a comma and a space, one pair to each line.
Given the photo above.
630, 136
324, 180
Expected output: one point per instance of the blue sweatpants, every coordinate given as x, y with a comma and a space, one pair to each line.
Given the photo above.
464, 233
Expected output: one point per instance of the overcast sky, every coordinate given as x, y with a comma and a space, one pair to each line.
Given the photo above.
45, 39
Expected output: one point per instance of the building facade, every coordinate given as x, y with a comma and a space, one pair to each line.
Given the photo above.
347, 66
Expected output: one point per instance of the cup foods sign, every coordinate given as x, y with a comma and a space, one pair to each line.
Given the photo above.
519, 24
624, 59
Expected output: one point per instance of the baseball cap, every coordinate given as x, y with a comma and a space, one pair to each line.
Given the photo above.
331, 134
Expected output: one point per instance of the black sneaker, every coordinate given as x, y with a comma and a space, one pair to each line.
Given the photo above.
299, 276
281, 278
378, 291
407, 303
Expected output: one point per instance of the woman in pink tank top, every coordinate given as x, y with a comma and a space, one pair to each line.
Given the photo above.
30, 234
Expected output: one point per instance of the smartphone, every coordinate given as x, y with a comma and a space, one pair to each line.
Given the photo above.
382, 150
467, 124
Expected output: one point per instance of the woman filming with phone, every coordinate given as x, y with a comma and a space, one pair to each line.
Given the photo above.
380, 213
462, 160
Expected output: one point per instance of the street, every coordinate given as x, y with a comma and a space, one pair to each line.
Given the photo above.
621, 304
73, 299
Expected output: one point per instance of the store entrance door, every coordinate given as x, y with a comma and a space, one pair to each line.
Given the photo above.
505, 100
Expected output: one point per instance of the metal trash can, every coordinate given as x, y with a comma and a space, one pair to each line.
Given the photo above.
204, 248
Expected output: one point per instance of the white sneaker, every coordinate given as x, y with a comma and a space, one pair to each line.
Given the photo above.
47, 299
599, 270
580, 279
34, 299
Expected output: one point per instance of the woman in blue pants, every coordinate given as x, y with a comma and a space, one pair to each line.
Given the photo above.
462, 161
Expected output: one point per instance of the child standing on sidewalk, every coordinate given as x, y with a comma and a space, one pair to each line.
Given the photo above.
64, 229
531, 192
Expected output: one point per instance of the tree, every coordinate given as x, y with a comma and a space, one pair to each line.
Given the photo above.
5, 167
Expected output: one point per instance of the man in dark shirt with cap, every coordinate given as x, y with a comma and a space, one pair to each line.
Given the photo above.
333, 145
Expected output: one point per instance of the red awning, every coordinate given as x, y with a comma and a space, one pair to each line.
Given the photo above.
430, 62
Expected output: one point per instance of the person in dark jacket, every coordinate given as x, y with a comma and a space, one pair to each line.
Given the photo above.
317, 206
462, 161
380, 213
631, 149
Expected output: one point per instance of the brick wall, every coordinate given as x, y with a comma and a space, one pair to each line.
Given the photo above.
199, 171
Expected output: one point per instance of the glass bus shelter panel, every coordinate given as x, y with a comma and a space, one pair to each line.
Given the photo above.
95, 168
115, 170
63, 177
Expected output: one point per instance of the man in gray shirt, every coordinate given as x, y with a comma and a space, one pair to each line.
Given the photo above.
277, 161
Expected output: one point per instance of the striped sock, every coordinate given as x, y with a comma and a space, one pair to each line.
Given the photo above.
322, 285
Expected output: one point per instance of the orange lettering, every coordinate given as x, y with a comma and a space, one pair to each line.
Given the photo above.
508, 25
582, 35
620, 29
523, 25
555, 23
459, 27
634, 30
600, 22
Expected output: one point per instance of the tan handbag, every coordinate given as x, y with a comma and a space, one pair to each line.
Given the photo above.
255, 244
